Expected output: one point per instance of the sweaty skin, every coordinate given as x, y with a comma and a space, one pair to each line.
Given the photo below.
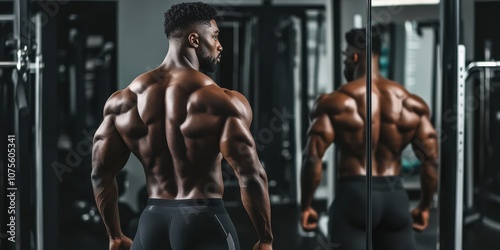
398, 119
180, 124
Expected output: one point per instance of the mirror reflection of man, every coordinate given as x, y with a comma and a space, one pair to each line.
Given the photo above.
180, 124
399, 118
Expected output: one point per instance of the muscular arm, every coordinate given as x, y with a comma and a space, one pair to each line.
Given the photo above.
319, 138
109, 156
238, 148
425, 147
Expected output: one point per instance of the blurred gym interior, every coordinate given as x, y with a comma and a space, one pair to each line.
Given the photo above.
61, 60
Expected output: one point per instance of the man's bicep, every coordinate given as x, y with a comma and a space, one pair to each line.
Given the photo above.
109, 153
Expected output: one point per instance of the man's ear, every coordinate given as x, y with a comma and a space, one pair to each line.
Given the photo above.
355, 57
194, 40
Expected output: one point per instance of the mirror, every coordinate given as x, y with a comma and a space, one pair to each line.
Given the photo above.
408, 93
332, 137
278, 58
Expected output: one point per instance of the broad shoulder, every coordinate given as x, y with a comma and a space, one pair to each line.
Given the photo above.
410, 101
417, 105
219, 100
391, 90
123, 100
224, 102
120, 102
333, 103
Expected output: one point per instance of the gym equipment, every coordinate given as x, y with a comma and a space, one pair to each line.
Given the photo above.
26, 123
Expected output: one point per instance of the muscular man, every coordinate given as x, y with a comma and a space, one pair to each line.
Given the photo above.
180, 125
398, 118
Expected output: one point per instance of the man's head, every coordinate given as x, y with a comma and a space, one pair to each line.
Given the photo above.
355, 53
193, 24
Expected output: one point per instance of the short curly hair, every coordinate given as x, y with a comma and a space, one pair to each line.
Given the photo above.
357, 39
183, 15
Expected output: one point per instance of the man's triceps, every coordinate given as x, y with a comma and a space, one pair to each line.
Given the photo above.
109, 156
425, 143
320, 135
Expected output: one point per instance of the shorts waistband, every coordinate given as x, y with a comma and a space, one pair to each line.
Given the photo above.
379, 183
186, 202
173, 207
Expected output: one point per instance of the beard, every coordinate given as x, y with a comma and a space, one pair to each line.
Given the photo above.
207, 62
348, 74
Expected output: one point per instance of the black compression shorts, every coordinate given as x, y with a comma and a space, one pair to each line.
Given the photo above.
197, 224
392, 223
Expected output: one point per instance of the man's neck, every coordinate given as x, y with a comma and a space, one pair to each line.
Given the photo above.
361, 70
181, 56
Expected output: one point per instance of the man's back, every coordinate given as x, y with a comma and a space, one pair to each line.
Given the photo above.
398, 119
171, 120
396, 116
180, 125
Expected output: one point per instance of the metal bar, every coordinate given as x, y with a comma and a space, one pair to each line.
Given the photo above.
8, 18
35, 66
368, 128
469, 151
24, 127
305, 62
32, 66
8, 64
491, 223
50, 130
317, 53
473, 66
459, 202
337, 48
439, 94
39, 134
297, 109
330, 49
17, 31
303, 76
17, 23
450, 38
434, 73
